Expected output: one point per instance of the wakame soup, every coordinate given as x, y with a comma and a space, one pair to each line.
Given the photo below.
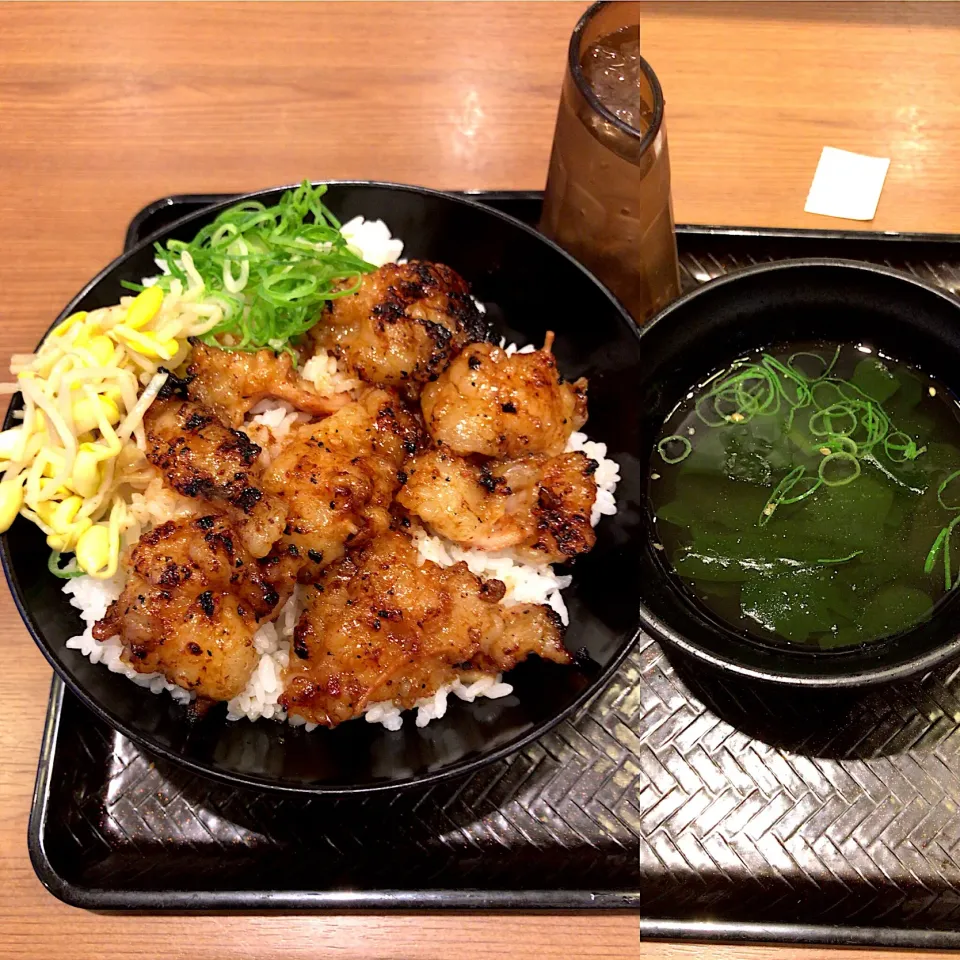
808, 494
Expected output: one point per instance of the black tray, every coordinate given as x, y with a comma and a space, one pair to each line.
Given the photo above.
714, 809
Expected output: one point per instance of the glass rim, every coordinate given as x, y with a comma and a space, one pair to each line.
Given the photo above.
576, 71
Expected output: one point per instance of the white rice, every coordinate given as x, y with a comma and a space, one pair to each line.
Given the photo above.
268, 424
607, 475
372, 240
158, 503
525, 582
262, 694
511, 348
321, 371
431, 708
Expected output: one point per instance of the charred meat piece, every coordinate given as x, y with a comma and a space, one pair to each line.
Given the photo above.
231, 383
403, 325
378, 626
538, 505
338, 478
190, 607
201, 457
489, 403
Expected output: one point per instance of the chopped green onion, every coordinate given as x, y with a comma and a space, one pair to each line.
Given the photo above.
839, 457
69, 572
781, 489
856, 553
841, 413
829, 415
827, 367
838, 444
683, 441
943, 486
271, 269
847, 423
815, 482
906, 448
947, 580
928, 564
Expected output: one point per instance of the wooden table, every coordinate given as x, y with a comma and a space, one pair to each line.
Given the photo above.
105, 107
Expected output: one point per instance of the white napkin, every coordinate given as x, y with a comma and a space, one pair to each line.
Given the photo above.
847, 185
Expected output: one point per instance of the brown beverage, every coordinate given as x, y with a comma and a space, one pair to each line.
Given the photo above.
608, 190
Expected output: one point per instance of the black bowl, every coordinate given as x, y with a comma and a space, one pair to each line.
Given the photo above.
707, 329
529, 285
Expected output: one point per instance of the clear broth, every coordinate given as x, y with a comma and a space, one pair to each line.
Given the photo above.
846, 564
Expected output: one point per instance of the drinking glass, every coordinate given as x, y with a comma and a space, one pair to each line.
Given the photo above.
607, 199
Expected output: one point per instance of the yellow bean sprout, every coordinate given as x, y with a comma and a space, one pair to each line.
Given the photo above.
76, 459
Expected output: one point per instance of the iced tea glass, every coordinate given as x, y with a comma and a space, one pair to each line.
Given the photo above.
607, 199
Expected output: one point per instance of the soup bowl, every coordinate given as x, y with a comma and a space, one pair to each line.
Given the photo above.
702, 333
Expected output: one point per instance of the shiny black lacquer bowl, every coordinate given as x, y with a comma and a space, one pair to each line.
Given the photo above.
706, 330
528, 286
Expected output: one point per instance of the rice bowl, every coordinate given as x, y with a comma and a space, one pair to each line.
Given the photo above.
256, 700
269, 424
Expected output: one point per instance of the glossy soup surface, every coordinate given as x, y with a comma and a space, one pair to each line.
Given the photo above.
807, 494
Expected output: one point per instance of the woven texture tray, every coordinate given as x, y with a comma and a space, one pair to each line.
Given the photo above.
714, 808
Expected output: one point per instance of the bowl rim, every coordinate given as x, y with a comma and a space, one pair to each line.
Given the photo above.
461, 768
662, 631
